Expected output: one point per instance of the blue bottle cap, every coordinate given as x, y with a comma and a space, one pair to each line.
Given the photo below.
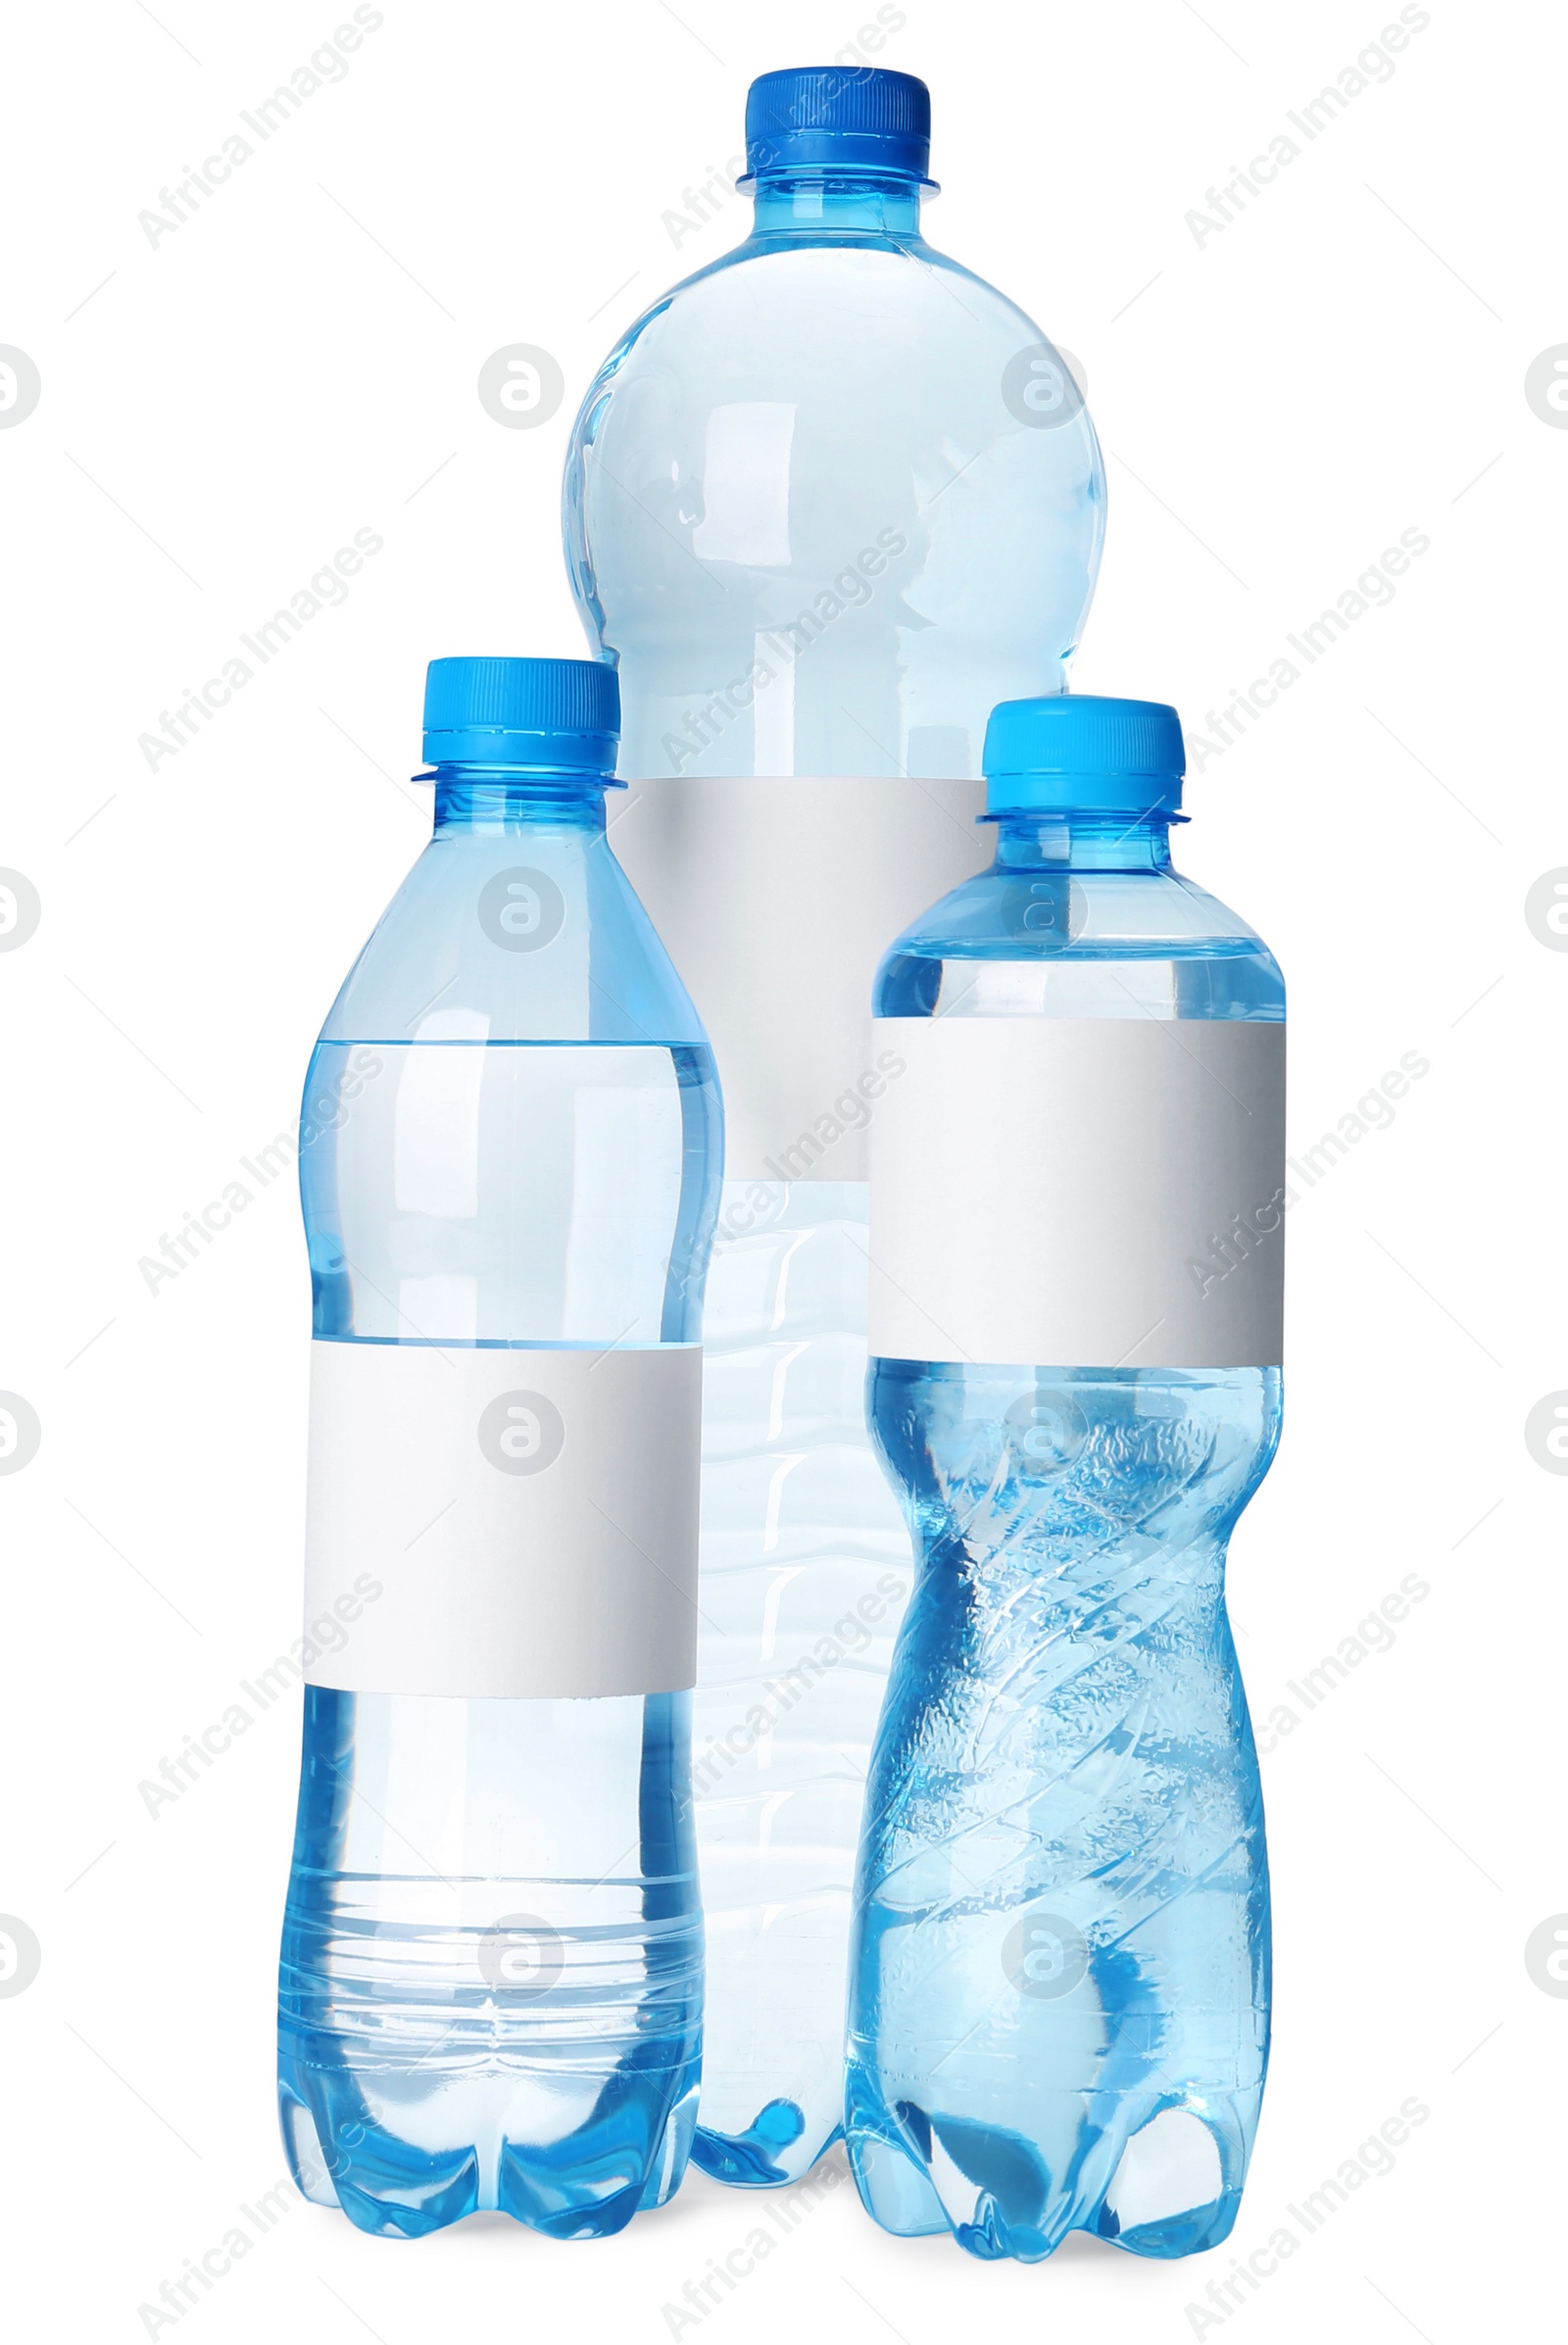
839, 117
1075, 749
549, 713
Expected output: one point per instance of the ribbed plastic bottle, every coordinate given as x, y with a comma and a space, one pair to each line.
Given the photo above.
1059, 2004
825, 503
491, 1979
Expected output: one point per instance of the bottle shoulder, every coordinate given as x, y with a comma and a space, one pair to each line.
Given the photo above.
763, 271
785, 321
506, 937
1080, 943
857, 441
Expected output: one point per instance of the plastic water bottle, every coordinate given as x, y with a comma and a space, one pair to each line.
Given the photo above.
825, 503
1059, 2014
491, 1979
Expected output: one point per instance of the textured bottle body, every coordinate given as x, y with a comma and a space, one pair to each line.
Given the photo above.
805, 1571
491, 1983
1060, 2016
1058, 2010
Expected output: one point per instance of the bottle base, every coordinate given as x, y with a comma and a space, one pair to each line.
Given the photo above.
1163, 2183
395, 2158
770, 2154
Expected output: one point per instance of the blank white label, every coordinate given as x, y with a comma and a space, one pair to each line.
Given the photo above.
527, 1518
1080, 1191
776, 900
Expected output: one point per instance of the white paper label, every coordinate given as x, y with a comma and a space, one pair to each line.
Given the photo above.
1080, 1193
776, 900
526, 1516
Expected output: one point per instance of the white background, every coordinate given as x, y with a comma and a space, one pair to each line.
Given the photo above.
221, 411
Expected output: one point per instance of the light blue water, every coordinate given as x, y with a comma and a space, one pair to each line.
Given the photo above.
820, 464
1059, 1991
490, 1993
820, 516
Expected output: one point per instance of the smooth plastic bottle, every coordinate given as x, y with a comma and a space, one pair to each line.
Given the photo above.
833, 413
491, 1979
1060, 1997
825, 502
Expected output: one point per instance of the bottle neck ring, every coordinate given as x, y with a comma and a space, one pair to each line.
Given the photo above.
495, 799
1082, 839
803, 201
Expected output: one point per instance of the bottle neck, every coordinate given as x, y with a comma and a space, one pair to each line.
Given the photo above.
482, 798
1073, 842
801, 204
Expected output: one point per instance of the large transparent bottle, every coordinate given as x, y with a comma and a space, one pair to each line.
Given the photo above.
1058, 2012
491, 1981
825, 503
